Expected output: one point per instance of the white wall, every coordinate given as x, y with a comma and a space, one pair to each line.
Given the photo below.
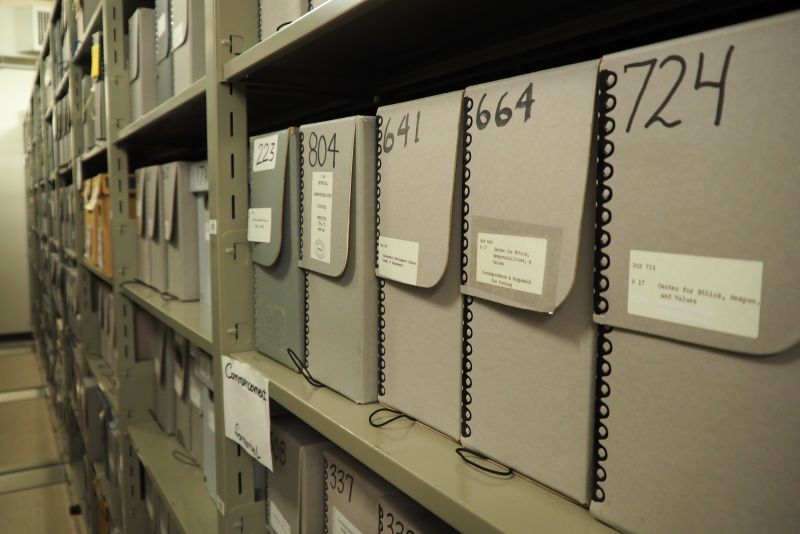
15, 89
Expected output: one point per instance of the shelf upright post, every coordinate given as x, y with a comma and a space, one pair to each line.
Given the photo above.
132, 378
231, 28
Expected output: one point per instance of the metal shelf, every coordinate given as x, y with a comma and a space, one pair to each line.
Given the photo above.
99, 273
106, 380
97, 150
423, 463
190, 319
86, 39
62, 86
172, 130
181, 485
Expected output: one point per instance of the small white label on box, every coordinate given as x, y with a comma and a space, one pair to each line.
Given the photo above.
513, 262
220, 505
397, 259
207, 230
265, 152
718, 294
259, 225
321, 215
212, 227
167, 228
245, 394
342, 525
276, 520
177, 381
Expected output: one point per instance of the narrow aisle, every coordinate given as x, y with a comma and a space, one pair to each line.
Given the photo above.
34, 493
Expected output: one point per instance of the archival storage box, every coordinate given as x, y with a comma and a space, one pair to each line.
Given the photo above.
528, 237
697, 291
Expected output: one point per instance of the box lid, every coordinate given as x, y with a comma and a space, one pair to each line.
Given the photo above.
162, 22
169, 173
418, 162
133, 44
528, 148
326, 166
180, 22
151, 190
699, 148
269, 169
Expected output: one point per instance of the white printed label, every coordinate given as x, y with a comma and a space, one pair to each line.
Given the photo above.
718, 294
513, 262
246, 403
195, 392
259, 225
177, 35
212, 227
161, 25
177, 381
276, 520
321, 215
397, 259
342, 525
265, 152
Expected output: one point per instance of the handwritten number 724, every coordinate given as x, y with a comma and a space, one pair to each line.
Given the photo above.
680, 68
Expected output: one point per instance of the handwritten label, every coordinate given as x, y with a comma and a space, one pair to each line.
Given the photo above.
265, 152
321, 214
246, 405
398, 259
277, 521
513, 262
718, 294
259, 225
342, 525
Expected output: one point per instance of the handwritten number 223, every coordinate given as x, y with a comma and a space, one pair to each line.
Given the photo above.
699, 83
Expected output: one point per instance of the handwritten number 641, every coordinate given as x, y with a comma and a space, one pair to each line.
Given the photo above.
699, 83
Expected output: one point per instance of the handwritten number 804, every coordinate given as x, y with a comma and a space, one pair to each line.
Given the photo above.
699, 83
503, 114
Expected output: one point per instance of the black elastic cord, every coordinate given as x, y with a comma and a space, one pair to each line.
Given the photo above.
282, 26
184, 458
301, 367
397, 415
463, 451
166, 296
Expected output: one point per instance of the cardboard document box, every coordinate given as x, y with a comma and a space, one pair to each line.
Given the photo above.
529, 338
180, 231
164, 81
198, 184
277, 14
154, 208
151, 501
165, 376
188, 43
294, 487
351, 493
180, 382
142, 238
209, 447
337, 249
92, 421
275, 232
105, 297
419, 258
142, 63
87, 109
104, 252
398, 513
699, 409
91, 194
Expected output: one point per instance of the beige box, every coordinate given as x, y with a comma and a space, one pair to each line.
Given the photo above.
154, 190
699, 408
180, 383
418, 259
294, 487
180, 231
398, 513
142, 238
188, 43
351, 494
198, 184
338, 251
142, 63
529, 338
196, 392
165, 398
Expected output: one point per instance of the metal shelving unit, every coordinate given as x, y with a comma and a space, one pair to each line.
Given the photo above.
181, 485
345, 57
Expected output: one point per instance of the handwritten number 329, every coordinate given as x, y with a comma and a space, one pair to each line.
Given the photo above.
699, 83
503, 114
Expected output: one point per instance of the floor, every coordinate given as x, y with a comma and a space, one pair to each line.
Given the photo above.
35, 495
